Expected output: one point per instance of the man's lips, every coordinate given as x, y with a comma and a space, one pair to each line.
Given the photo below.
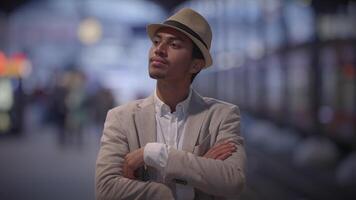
158, 61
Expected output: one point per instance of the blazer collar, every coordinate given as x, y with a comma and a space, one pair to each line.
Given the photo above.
146, 122
196, 116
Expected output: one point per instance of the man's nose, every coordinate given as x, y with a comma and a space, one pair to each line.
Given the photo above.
161, 49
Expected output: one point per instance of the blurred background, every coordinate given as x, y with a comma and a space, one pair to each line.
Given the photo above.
288, 64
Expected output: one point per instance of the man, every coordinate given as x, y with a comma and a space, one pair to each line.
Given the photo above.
174, 144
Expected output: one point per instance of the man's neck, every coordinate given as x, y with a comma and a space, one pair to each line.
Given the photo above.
172, 94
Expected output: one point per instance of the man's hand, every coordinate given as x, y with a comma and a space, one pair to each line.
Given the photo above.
221, 151
133, 161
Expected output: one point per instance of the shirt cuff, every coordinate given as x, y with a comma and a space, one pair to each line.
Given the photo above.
155, 155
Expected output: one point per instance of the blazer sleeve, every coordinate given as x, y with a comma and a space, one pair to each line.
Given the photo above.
216, 177
109, 182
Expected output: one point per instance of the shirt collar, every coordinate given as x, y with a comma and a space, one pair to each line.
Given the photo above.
163, 109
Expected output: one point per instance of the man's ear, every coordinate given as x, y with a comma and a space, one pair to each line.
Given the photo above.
197, 65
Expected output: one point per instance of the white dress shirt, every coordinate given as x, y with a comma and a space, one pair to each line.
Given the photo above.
170, 134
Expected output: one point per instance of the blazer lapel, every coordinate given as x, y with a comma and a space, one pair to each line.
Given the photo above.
196, 116
146, 122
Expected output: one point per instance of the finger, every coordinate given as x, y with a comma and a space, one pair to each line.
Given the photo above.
131, 174
127, 171
224, 156
217, 147
124, 170
208, 155
221, 143
130, 161
223, 150
212, 152
223, 146
135, 159
213, 148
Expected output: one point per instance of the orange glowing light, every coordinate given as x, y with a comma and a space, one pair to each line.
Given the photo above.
14, 66
2, 62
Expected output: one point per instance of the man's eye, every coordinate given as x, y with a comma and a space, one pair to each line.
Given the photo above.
174, 45
155, 42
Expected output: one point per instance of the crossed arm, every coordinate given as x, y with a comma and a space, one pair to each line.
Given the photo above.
135, 159
220, 171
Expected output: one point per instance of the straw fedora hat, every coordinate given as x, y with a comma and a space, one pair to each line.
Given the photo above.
193, 25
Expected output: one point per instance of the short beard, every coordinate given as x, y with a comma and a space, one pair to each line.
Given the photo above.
156, 76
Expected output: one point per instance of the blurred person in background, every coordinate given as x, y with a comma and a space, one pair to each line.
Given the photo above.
68, 108
75, 101
175, 144
99, 104
57, 108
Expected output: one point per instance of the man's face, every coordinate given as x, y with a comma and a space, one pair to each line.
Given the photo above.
170, 57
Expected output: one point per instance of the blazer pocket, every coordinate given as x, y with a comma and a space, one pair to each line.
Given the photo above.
203, 146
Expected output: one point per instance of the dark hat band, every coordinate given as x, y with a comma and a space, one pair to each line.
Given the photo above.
186, 29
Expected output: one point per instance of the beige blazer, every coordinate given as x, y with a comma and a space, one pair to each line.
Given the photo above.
131, 126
